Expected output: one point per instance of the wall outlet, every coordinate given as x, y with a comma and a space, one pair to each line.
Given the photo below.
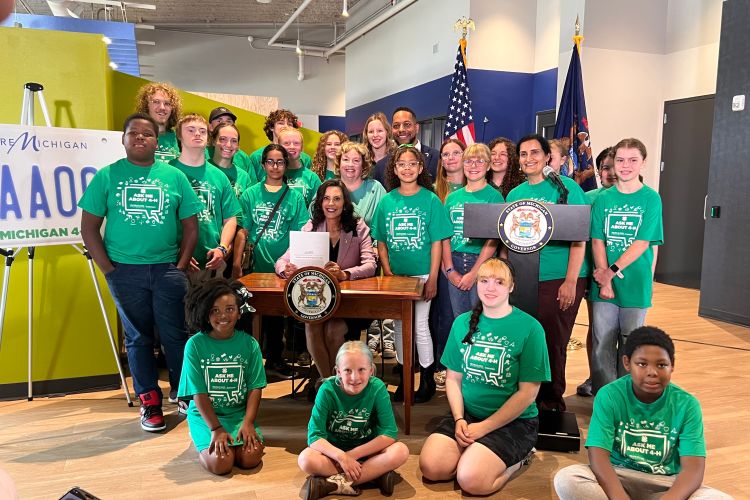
738, 102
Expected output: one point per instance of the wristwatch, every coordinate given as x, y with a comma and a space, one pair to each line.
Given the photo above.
616, 269
448, 271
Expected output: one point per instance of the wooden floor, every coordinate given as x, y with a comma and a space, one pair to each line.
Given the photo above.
94, 440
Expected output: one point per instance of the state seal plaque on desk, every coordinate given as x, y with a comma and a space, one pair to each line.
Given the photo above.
312, 294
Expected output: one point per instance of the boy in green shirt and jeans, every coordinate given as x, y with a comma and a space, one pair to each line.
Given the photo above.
646, 434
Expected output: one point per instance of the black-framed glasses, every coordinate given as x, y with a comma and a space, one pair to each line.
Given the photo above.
278, 163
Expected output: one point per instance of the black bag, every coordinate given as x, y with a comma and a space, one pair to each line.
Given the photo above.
248, 255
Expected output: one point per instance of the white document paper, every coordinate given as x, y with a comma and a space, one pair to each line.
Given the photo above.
308, 248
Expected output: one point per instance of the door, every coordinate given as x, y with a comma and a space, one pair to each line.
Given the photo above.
725, 283
683, 185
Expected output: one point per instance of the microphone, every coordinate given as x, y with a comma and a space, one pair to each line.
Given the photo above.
549, 173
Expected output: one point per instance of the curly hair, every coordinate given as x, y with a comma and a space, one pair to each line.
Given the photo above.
442, 189
320, 161
278, 115
140, 116
363, 152
491, 268
348, 218
648, 335
514, 176
389, 141
200, 300
147, 91
391, 179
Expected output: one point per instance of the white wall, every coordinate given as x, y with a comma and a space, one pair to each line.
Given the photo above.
505, 38
398, 55
225, 64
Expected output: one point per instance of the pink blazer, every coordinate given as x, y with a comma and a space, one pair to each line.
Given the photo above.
356, 254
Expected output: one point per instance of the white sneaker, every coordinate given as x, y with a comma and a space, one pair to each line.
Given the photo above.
374, 343
440, 379
389, 351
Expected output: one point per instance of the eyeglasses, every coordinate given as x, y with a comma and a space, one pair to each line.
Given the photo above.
476, 161
454, 154
278, 163
403, 164
157, 103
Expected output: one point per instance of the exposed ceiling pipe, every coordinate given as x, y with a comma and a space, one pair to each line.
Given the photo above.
289, 21
66, 8
357, 33
301, 70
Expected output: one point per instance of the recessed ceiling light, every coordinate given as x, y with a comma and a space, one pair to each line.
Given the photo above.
263, 1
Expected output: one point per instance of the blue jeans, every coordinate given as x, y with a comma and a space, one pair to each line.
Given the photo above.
612, 325
463, 300
151, 297
441, 318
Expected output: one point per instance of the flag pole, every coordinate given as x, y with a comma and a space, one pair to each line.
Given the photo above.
578, 38
464, 25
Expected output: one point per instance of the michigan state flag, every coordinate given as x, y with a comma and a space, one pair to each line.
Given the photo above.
572, 127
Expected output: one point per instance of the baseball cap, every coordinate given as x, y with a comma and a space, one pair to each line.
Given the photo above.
221, 111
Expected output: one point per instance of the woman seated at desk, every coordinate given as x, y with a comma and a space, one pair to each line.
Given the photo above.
351, 257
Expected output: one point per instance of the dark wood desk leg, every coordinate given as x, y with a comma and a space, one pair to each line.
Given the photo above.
407, 324
257, 318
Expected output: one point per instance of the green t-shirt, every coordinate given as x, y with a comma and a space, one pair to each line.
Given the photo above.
226, 370
646, 437
330, 174
143, 207
167, 148
454, 204
241, 160
409, 225
366, 198
257, 203
588, 259
553, 258
505, 351
348, 421
254, 162
219, 203
304, 181
618, 219
238, 178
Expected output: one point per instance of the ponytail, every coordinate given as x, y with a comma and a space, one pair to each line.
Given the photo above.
473, 323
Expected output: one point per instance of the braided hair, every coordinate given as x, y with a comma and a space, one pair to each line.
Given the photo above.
496, 268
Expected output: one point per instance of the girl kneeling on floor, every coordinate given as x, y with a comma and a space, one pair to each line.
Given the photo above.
496, 359
222, 375
352, 432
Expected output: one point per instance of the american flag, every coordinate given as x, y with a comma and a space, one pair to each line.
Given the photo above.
460, 120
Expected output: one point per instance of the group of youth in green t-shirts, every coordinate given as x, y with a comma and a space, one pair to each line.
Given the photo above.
497, 358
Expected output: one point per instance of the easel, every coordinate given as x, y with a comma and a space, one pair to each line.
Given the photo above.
27, 118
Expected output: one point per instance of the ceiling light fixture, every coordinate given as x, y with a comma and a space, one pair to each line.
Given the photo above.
345, 12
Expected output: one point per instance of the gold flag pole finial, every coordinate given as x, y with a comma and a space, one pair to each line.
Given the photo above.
578, 38
464, 25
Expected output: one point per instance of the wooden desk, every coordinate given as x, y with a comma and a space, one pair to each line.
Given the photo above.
379, 297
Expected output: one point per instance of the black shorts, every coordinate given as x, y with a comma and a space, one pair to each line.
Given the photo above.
511, 442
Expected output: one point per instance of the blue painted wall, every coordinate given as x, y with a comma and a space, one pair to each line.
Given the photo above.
122, 50
326, 123
509, 100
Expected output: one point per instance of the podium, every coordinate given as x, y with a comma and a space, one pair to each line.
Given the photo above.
558, 431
